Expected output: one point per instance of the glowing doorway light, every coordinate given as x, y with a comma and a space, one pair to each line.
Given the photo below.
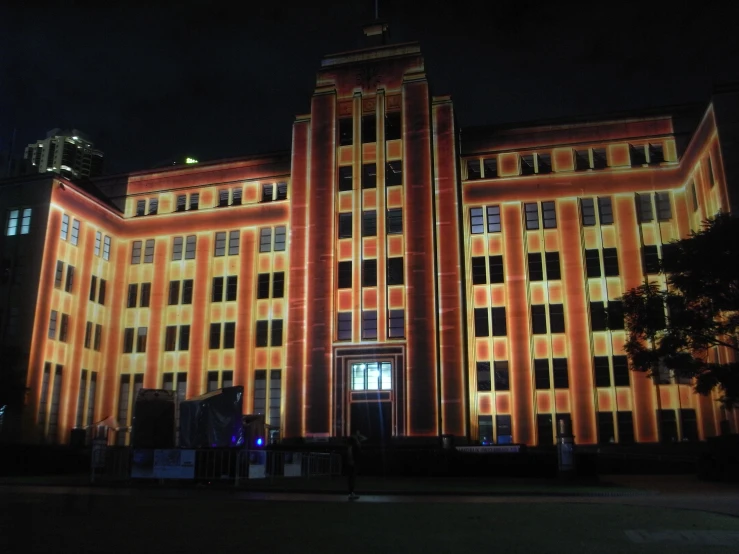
190, 161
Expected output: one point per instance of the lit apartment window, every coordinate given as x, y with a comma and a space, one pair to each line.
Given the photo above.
345, 275
74, 239
346, 179
372, 376
490, 167
369, 223
493, 213
394, 173
344, 326
106, 248
98, 241
393, 126
395, 275
65, 226
477, 221
369, 176
484, 380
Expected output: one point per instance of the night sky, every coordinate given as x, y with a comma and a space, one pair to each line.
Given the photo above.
192, 78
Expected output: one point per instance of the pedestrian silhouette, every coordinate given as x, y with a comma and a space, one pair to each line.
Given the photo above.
352, 459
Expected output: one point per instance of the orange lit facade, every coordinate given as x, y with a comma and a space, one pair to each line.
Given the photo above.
391, 273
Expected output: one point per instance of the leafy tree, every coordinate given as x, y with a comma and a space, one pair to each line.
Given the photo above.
702, 301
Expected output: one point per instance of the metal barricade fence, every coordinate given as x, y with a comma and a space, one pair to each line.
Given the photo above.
268, 464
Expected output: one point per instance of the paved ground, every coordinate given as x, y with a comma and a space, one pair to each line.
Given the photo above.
671, 518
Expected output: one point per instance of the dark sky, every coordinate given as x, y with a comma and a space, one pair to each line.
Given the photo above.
215, 80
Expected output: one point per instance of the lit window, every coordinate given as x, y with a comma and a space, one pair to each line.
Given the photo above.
75, 232
106, 248
233, 243
532, 215
372, 376
220, 247
477, 222
265, 240
396, 323
26, 221
493, 213
136, 252
190, 247
549, 215
344, 327
12, 228
149, 251
176, 248
280, 238
98, 240
605, 210
369, 324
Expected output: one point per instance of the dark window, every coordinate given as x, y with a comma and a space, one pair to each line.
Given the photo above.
644, 207
215, 335
220, 244
93, 288
217, 290
587, 206
52, 323
190, 247
212, 381
346, 131
599, 158
615, 315
490, 166
484, 381
709, 168
394, 221
267, 193
477, 222
64, 328
527, 164
505, 432
344, 327
282, 191
602, 371
667, 420
140, 207
141, 339
552, 261
232, 285
650, 257
98, 336
145, 295
582, 160
664, 207
369, 273
170, 338
174, 293
69, 284
557, 318
474, 171
606, 432
181, 203
187, 291
625, 427
265, 240
184, 337
549, 215
278, 284
690, 424
149, 251
538, 319
280, 238
638, 155
369, 324
541, 374
393, 173
610, 262
656, 154
395, 271
598, 316
345, 275
479, 275
396, 324
127, 340
559, 373
346, 178
88, 334
482, 327
543, 163
500, 326
605, 210
392, 126
262, 333
536, 268
229, 334
345, 225
545, 429
369, 176
493, 219
496, 269
531, 210
176, 248
369, 128
222, 198
501, 375
485, 429
153, 206
59, 275
592, 263
369, 223
656, 312
101, 292
133, 292
194, 201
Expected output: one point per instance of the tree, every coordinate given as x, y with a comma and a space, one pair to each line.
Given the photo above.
702, 301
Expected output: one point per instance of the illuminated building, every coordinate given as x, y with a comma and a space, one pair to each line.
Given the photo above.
67, 152
390, 273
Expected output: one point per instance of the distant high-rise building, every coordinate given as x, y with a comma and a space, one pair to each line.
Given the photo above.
63, 151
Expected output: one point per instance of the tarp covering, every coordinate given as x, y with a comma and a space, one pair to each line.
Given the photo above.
153, 419
212, 420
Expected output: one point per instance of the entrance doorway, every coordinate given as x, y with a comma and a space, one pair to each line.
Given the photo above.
371, 403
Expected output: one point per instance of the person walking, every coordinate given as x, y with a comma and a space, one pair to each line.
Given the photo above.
352, 457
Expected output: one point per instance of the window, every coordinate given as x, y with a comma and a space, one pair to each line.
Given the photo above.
217, 290
194, 201
587, 211
232, 282
176, 248
212, 381
544, 429
281, 191
345, 275
372, 376
59, 274
393, 173
181, 203
345, 225
346, 126
141, 339
170, 338
187, 286
369, 273
265, 240
190, 247
149, 251
140, 207
496, 269
638, 155
615, 314
369, 176
664, 207
280, 238
395, 221
93, 288
145, 295
536, 268
625, 423
541, 374
501, 375
260, 391
543, 163
709, 168
592, 263
598, 319
599, 158
153, 206
98, 336
656, 154
65, 225
531, 210
606, 431
605, 210
610, 262
490, 165
559, 373
262, 333
582, 160
53, 318
482, 327
369, 128
396, 324
485, 429
106, 248
394, 271
552, 262
215, 336
174, 293
549, 215
220, 246
650, 257
644, 208
493, 213
538, 319
88, 334
474, 170
477, 222
500, 326
263, 285
557, 318
479, 275
98, 241
229, 334
369, 223
346, 178
484, 380
369, 324
222, 198
26, 221
133, 293
128, 340
693, 196
392, 126
184, 338
136, 252
527, 164
69, 284
344, 326
689, 424
234, 238
602, 371
503, 425
236, 196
